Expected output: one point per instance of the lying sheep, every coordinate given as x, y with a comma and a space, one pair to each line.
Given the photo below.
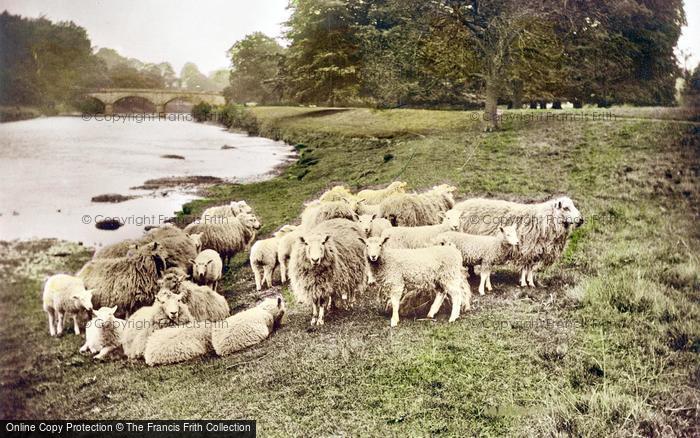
215, 214
263, 257
178, 344
317, 212
486, 251
103, 333
406, 270
65, 296
119, 249
227, 238
328, 263
372, 225
413, 237
413, 210
249, 327
337, 193
375, 197
206, 268
167, 310
284, 252
126, 282
203, 303
543, 228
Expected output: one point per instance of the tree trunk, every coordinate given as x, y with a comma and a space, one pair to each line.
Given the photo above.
556, 104
491, 106
533, 104
517, 101
543, 104
578, 104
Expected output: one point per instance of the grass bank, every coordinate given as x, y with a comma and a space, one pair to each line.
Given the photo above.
608, 344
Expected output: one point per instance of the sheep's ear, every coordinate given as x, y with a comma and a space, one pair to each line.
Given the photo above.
279, 301
325, 238
112, 309
559, 204
155, 246
363, 240
500, 228
374, 216
210, 261
385, 239
301, 239
191, 261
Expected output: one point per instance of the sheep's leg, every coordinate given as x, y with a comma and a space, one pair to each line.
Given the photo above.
484, 275
267, 276
256, 273
395, 303
52, 321
370, 277
104, 352
523, 275
84, 348
216, 284
531, 277
455, 291
439, 298
321, 311
488, 282
314, 312
76, 327
283, 270
59, 323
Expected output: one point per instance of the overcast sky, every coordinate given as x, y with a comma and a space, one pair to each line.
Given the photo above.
201, 31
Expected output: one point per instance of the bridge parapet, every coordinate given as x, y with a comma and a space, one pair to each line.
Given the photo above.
159, 98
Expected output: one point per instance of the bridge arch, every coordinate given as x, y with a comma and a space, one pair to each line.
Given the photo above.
143, 104
159, 98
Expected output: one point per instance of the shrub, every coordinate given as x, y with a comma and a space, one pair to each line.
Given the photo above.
201, 112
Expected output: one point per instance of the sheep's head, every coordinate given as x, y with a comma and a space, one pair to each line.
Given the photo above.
365, 222
172, 279
83, 298
238, 207
169, 302
509, 234
285, 230
104, 313
199, 269
397, 187
276, 306
442, 240
196, 238
567, 212
314, 247
453, 218
249, 221
374, 247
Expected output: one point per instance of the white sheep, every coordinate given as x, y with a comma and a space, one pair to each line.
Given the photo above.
248, 327
206, 268
327, 264
178, 344
412, 210
103, 333
543, 228
217, 213
413, 237
485, 251
337, 193
263, 257
317, 212
436, 268
364, 208
372, 225
65, 296
227, 237
203, 303
374, 197
284, 252
196, 238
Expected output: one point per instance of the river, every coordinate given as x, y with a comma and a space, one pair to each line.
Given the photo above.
50, 168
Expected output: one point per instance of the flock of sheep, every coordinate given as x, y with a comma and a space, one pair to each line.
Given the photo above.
156, 297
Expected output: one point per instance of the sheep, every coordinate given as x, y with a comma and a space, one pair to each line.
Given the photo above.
317, 212
206, 268
248, 327
227, 238
263, 256
483, 250
196, 238
337, 193
119, 249
178, 344
328, 263
372, 225
412, 210
203, 303
217, 213
375, 197
126, 282
65, 296
103, 333
284, 252
402, 270
413, 237
167, 310
543, 228
363, 208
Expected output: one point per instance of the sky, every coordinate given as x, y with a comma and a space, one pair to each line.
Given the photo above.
201, 31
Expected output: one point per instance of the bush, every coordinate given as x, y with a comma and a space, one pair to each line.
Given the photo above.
202, 112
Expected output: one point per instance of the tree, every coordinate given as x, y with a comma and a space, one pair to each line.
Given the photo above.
194, 80
254, 69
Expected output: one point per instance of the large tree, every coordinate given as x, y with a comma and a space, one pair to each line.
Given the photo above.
255, 62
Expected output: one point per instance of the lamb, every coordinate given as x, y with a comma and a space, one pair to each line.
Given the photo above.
413, 237
228, 237
337, 193
217, 213
103, 333
543, 228
203, 303
167, 310
178, 344
206, 268
126, 282
375, 197
483, 250
402, 270
372, 225
317, 212
65, 296
249, 327
328, 263
413, 210
263, 256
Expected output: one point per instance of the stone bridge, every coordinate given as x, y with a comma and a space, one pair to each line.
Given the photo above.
159, 98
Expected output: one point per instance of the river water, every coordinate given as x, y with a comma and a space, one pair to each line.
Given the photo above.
50, 168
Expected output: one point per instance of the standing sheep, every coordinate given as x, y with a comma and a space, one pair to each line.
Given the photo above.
263, 257
227, 238
284, 251
486, 251
126, 282
543, 228
65, 296
413, 237
372, 225
206, 268
248, 327
413, 210
317, 212
337, 193
103, 333
219, 212
203, 303
375, 197
167, 310
402, 270
328, 263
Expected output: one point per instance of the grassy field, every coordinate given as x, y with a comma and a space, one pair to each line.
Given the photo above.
608, 344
